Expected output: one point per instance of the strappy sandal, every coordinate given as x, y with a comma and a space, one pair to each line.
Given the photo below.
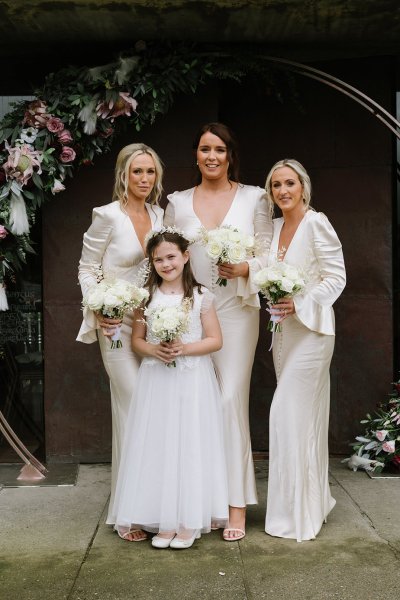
124, 536
241, 535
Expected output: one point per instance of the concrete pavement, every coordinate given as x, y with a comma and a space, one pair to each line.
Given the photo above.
54, 545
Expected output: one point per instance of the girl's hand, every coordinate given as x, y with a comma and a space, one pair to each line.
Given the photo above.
108, 326
284, 308
229, 271
164, 352
174, 348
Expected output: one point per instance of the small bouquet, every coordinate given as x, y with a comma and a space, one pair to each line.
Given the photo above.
113, 297
227, 244
379, 447
168, 323
278, 281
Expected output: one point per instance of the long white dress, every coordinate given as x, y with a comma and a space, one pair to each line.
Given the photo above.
237, 307
111, 242
172, 474
299, 498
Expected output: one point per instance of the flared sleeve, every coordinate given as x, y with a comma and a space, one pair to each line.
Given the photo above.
95, 241
263, 228
314, 306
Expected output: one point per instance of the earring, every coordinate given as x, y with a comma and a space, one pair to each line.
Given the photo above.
197, 162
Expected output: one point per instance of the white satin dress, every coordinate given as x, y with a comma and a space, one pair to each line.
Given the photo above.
173, 472
111, 242
299, 498
237, 307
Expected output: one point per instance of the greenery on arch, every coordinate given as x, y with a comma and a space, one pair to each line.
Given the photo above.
77, 114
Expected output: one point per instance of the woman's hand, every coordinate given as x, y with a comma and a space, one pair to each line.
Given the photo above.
229, 271
108, 326
284, 308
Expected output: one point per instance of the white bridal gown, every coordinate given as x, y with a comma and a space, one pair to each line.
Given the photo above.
173, 472
237, 307
111, 242
299, 498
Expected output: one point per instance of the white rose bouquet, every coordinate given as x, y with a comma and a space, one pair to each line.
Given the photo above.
227, 244
168, 323
112, 298
278, 281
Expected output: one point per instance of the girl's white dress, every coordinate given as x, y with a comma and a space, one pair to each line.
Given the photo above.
299, 497
172, 473
237, 307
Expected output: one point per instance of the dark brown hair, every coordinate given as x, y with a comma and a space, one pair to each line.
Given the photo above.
154, 280
228, 137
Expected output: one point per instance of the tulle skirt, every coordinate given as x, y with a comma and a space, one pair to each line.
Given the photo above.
172, 474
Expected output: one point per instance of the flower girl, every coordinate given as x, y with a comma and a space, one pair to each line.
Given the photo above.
172, 477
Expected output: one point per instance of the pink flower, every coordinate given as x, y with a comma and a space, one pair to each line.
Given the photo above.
396, 459
389, 446
64, 137
36, 115
21, 162
123, 106
54, 125
3, 232
107, 132
380, 435
67, 154
57, 187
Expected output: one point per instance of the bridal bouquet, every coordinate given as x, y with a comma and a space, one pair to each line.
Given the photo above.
112, 298
278, 281
227, 244
379, 447
168, 323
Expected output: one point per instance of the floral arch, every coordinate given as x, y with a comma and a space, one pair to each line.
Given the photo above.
79, 111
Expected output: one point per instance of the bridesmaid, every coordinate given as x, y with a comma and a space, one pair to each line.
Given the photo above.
219, 199
299, 499
115, 240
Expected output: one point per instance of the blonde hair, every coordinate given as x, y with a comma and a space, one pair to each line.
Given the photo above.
302, 175
122, 166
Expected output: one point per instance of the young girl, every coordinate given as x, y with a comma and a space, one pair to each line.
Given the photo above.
172, 477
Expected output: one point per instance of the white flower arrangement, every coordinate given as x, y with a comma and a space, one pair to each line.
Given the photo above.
279, 280
227, 244
168, 323
113, 297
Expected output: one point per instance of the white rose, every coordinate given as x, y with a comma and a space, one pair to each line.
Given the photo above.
290, 271
95, 298
287, 284
111, 300
273, 274
234, 236
260, 277
235, 254
214, 249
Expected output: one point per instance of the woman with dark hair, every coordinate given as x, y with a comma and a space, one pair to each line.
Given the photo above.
115, 243
220, 199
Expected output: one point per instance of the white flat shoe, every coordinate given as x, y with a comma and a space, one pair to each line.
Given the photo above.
162, 542
183, 543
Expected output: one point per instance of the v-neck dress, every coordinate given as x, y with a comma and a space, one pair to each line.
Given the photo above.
111, 242
299, 498
237, 307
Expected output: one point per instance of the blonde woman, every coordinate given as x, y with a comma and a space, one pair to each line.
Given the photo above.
116, 242
299, 499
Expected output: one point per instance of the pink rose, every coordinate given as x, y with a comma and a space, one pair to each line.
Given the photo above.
3, 232
64, 136
54, 125
389, 446
67, 154
381, 434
